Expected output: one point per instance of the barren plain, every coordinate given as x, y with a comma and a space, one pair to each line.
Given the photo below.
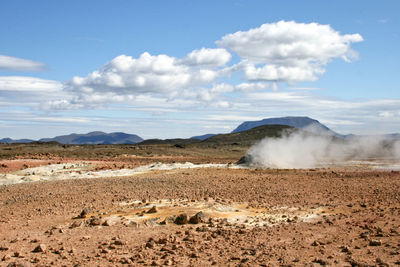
193, 206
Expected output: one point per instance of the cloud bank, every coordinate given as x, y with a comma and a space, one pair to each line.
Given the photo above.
159, 74
274, 52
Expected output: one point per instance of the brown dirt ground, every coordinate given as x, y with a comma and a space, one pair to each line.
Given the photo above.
359, 224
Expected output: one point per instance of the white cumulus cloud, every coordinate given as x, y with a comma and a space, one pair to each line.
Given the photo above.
148, 73
19, 64
208, 56
289, 51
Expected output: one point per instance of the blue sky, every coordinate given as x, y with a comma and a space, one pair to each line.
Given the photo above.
203, 83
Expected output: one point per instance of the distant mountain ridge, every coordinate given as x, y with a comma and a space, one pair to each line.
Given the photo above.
12, 141
92, 138
304, 123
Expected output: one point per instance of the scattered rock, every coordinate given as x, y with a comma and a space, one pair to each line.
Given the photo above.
19, 264
365, 234
321, 262
168, 262
245, 160
76, 224
150, 243
198, 218
194, 255
84, 213
315, 243
381, 262
108, 223
95, 221
179, 146
124, 260
152, 210
85, 237
6, 257
119, 242
41, 248
181, 219
345, 249
375, 243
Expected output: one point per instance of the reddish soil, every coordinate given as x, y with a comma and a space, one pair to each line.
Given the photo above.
359, 222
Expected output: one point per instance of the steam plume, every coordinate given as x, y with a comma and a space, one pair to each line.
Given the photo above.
306, 149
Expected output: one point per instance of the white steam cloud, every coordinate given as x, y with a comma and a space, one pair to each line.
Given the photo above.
301, 149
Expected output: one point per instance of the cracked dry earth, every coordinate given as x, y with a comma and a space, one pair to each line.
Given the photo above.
203, 217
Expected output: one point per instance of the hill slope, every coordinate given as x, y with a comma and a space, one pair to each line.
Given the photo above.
175, 141
202, 137
249, 137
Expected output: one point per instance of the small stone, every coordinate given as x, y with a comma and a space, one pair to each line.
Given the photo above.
76, 224
375, 243
198, 218
320, 262
152, 210
345, 250
150, 243
194, 255
19, 264
315, 243
168, 263
108, 223
84, 213
119, 242
181, 219
85, 237
162, 241
124, 260
6, 257
95, 221
41, 248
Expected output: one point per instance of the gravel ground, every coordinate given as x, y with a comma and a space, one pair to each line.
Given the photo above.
105, 221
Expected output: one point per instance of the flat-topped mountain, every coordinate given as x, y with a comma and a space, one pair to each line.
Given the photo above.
306, 123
